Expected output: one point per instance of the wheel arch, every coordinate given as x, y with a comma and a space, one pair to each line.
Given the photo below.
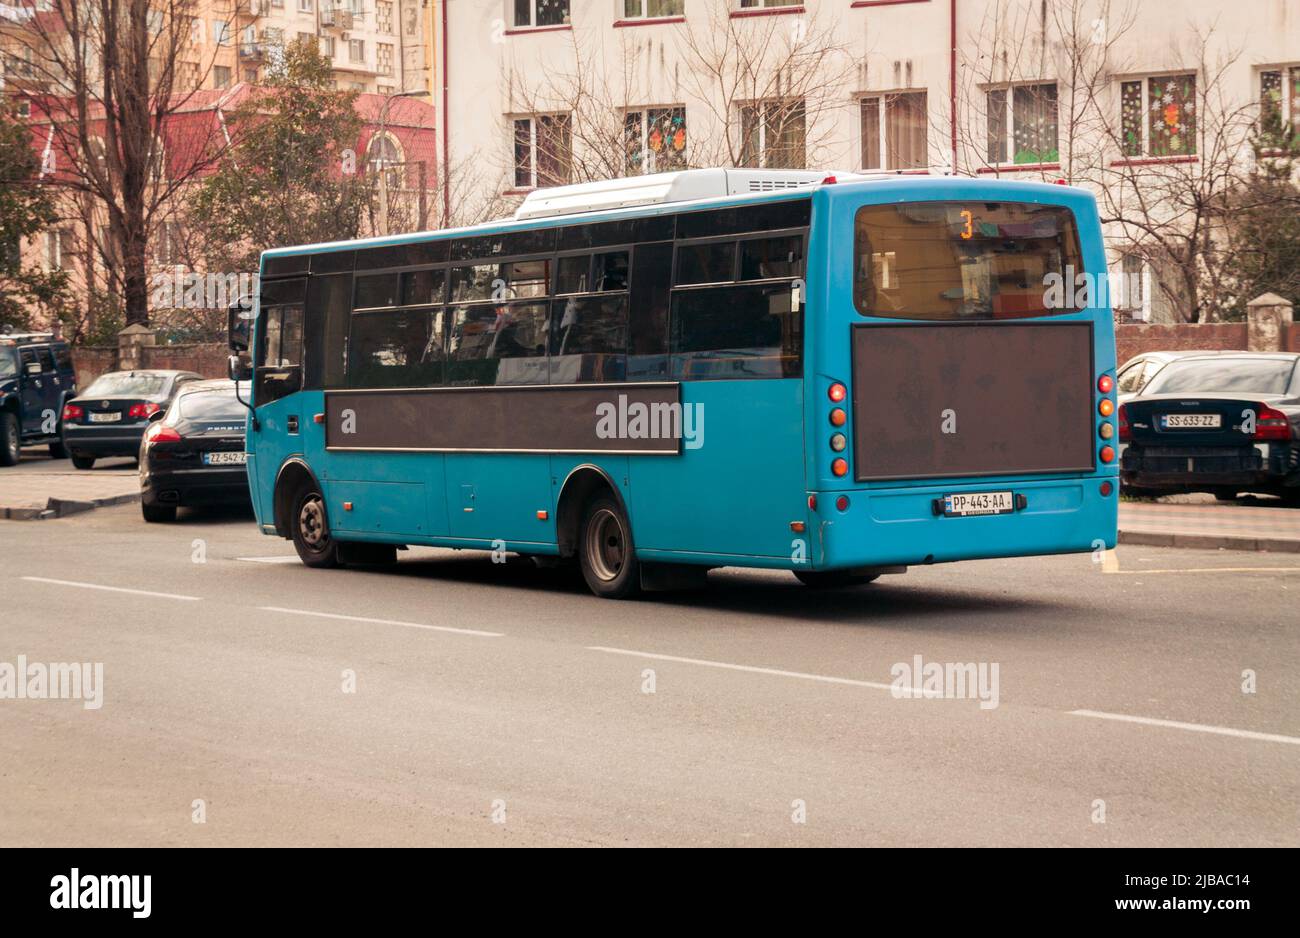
579, 486
292, 473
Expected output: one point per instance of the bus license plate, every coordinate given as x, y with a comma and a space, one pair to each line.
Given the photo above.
225, 459
978, 503
1191, 421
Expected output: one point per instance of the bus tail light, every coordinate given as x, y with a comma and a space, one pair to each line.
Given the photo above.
1125, 431
812, 502
1107, 454
1105, 384
838, 442
838, 417
1106, 407
1271, 424
842, 503
837, 392
840, 467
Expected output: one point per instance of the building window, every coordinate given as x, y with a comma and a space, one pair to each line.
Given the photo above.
384, 89
384, 57
383, 156
652, 9
543, 150
196, 31
250, 75
220, 76
384, 17
1279, 107
773, 134
169, 247
326, 46
305, 6
541, 12
221, 32
655, 140
1022, 125
894, 130
356, 50
1158, 116
757, 4
56, 246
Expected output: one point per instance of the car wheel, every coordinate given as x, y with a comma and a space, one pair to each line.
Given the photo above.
834, 579
158, 514
10, 441
311, 533
83, 462
606, 553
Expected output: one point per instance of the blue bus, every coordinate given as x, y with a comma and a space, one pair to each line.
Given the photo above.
837, 376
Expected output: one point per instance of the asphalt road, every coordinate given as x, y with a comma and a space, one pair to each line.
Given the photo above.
223, 692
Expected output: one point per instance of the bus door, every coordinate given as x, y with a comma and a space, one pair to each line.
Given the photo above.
277, 378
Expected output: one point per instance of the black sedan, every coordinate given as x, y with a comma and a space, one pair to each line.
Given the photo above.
1223, 423
194, 454
110, 416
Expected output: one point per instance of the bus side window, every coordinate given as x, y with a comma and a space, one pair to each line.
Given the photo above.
748, 331
325, 327
281, 370
647, 347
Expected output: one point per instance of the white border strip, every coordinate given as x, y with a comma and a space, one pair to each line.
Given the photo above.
1193, 727
112, 589
407, 625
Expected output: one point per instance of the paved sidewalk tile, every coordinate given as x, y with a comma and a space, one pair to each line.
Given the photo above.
1229, 525
35, 490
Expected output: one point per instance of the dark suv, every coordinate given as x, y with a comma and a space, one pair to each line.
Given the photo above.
36, 378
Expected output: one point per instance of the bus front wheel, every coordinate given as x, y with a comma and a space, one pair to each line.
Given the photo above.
833, 579
605, 551
311, 533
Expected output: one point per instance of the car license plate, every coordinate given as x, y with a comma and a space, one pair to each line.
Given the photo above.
1191, 421
225, 459
111, 417
978, 503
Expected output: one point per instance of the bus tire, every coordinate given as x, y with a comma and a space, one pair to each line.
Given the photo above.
605, 550
312, 540
834, 579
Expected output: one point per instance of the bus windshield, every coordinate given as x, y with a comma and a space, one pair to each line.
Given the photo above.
966, 260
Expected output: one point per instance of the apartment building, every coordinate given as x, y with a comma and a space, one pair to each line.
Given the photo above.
1128, 97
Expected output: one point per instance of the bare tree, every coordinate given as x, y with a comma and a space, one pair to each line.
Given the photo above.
118, 77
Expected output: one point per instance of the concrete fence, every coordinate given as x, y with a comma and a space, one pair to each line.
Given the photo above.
136, 350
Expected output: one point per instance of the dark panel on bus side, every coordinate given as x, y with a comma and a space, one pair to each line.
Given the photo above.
962, 399
609, 418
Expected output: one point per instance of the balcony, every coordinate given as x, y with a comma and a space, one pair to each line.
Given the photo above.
334, 18
252, 53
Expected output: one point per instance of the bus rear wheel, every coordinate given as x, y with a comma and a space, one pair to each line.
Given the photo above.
311, 532
834, 579
605, 551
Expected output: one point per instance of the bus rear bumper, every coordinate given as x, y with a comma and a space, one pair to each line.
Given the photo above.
883, 527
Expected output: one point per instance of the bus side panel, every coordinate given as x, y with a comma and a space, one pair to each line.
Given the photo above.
736, 486
390, 493
496, 496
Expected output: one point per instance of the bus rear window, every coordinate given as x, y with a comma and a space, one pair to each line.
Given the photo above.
966, 260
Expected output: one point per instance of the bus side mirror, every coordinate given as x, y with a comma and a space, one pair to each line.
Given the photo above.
239, 324
240, 368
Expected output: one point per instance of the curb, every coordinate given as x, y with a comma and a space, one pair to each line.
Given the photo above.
1210, 541
63, 507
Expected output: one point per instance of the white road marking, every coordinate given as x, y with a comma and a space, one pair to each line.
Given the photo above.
1295, 569
407, 625
824, 678
1193, 727
113, 589
292, 558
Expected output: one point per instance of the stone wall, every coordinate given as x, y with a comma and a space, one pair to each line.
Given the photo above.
208, 359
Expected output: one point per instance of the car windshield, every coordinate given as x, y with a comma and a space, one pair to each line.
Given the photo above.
211, 405
1223, 375
125, 384
8, 363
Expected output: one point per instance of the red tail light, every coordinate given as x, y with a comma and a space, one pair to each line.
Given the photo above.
1125, 431
1272, 424
1105, 384
837, 392
72, 412
143, 410
160, 433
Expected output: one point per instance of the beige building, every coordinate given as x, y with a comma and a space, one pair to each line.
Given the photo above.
1145, 101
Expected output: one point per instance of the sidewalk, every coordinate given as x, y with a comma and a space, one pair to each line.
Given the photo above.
40, 487
1201, 522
